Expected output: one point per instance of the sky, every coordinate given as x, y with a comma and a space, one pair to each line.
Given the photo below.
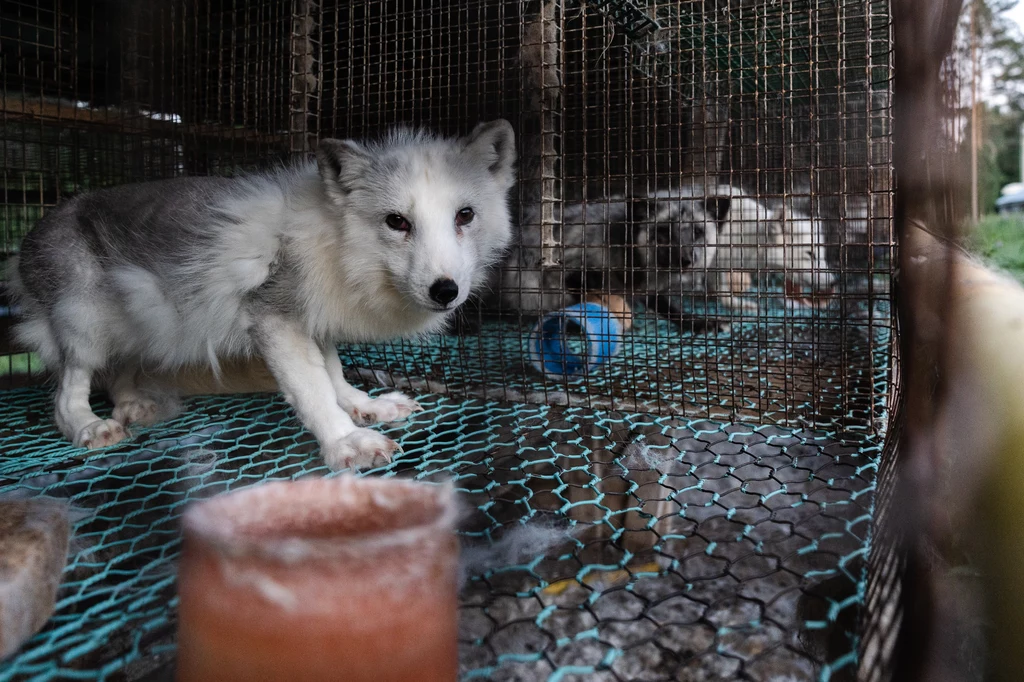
1017, 14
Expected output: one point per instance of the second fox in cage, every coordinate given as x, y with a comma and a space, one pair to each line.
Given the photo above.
374, 241
661, 243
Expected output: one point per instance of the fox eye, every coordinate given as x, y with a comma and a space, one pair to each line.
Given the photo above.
397, 222
464, 216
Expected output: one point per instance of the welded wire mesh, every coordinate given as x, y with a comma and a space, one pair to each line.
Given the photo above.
649, 547
794, 118
706, 491
789, 115
97, 93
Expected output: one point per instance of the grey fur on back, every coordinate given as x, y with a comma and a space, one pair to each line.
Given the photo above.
151, 224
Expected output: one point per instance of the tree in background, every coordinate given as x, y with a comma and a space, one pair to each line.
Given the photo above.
1002, 51
1001, 46
999, 156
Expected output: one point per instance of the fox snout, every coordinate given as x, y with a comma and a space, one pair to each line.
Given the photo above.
443, 291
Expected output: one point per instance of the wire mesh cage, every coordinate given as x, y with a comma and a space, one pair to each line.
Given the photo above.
669, 405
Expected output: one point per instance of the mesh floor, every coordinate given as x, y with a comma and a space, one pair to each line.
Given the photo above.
605, 543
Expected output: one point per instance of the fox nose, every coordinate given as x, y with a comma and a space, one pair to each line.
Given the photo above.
444, 291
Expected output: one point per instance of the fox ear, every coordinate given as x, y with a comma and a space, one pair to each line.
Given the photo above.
341, 163
717, 207
494, 143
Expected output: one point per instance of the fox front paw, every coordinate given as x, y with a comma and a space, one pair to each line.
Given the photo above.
141, 411
100, 433
389, 407
358, 450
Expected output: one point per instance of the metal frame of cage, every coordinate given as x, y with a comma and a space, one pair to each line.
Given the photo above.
299, 45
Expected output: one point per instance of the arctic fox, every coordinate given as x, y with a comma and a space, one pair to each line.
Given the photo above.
661, 243
372, 241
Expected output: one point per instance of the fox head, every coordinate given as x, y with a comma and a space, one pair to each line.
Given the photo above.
428, 214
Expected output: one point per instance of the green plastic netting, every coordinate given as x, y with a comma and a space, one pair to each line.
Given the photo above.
605, 543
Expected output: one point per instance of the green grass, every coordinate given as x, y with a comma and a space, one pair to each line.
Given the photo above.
19, 363
1000, 240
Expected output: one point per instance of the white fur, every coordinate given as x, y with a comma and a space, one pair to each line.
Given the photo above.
755, 238
284, 264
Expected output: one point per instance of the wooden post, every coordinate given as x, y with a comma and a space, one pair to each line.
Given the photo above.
540, 56
709, 124
304, 85
975, 118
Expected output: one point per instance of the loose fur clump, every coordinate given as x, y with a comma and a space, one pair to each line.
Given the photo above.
641, 456
518, 546
372, 242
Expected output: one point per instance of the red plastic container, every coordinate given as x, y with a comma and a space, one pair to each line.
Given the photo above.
320, 579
